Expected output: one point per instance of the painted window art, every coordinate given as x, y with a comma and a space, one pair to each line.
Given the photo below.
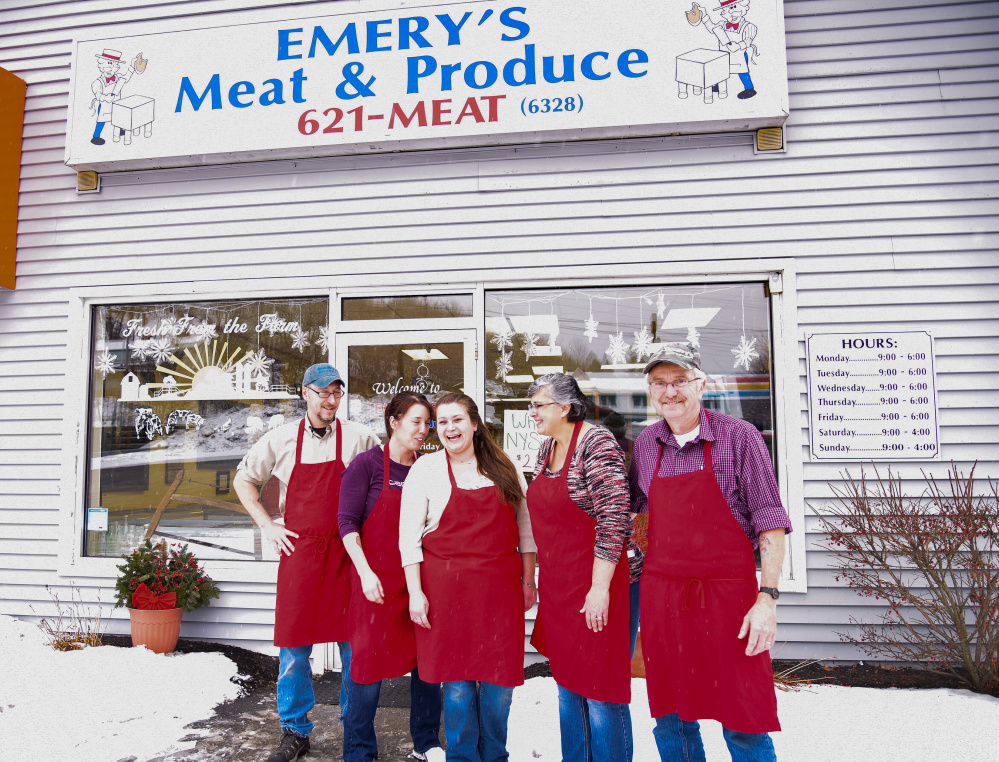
178, 394
604, 336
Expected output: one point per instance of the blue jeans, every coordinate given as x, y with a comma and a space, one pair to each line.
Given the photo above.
475, 721
359, 742
295, 696
633, 597
680, 741
593, 731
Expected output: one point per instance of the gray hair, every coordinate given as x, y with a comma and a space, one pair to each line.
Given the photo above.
564, 390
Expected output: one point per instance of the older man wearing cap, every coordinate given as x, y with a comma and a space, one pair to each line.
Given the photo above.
708, 485
313, 587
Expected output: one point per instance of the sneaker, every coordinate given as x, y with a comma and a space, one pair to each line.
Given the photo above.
291, 748
435, 754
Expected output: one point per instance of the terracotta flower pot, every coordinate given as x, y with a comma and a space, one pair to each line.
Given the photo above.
156, 630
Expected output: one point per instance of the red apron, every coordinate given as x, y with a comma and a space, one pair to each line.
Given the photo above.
313, 585
471, 575
382, 641
698, 582
596, 665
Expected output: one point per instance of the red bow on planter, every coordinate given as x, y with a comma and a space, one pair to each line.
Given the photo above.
144, 598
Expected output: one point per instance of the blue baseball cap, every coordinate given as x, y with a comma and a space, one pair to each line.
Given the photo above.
321, 375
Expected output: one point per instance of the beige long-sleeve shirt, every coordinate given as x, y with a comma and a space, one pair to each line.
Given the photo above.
274, 453
425, 495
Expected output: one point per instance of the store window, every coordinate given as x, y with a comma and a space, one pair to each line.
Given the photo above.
179, 392
604, 336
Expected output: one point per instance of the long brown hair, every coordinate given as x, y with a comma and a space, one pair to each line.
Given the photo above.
491, 461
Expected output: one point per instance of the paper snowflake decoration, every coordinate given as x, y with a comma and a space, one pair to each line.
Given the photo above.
324, 339
661, 306
502, 339
160, 349
106, 363
618, 349
169, 325
693, 337
591, 329
745, 353
204, 332
643, 344
504, 365
530, 344
299, 340
140, 349
258, 362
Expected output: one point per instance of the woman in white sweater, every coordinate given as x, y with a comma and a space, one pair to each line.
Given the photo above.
469, 556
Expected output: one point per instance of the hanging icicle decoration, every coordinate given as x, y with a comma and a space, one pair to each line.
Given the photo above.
591, 325
746, 352
504, 365
617, 352
530, 344
643, 338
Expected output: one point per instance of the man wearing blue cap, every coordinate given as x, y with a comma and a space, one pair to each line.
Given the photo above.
313, 589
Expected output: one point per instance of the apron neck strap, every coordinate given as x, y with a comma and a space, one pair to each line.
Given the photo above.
564, 476
385, 474
339, 440
298, 443
707, 446
450, 473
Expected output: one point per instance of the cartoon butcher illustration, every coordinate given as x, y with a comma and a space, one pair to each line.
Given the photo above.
108, 86
735, 36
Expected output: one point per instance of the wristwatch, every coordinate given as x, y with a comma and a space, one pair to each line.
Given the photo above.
773, 592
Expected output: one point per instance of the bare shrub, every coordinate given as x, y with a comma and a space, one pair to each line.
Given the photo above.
74, 626
934, 560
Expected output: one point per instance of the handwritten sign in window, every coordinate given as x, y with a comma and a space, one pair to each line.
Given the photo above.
872, 396
521, 439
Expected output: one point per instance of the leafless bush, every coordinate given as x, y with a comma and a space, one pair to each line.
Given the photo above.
74, 626
934, 560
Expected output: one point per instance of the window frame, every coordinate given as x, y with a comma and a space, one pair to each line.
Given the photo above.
779, 273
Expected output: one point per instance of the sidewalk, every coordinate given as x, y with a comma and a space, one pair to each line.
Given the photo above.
248, 729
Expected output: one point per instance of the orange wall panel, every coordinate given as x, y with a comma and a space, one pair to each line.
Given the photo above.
12, 90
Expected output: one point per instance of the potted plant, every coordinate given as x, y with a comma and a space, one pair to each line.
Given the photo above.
158, 583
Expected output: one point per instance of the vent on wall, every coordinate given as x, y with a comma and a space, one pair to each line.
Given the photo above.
770, 139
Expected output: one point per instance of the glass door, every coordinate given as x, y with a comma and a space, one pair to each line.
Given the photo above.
377, 366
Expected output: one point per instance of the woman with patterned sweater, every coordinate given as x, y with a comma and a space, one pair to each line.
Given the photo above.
579, 506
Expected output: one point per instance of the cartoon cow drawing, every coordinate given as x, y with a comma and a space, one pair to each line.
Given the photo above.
186, 417
148, 423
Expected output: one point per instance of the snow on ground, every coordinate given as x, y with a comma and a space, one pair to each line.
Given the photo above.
106, 704
103, 703
820, 723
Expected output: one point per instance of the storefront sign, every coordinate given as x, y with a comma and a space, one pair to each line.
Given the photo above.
872, 396
426, 77
521, 440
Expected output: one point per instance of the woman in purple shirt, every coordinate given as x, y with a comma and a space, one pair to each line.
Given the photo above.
382, 640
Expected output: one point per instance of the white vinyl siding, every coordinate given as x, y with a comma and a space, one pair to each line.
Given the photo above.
885, 199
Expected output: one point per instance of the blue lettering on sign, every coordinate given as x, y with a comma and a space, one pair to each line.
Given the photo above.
406, 34
186, 88
631, 58
349, 34
453, 30
521, 27
586, 66
285, 42
239, 92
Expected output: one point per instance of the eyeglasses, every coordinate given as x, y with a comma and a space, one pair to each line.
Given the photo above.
325, 395
534, 407
679, 385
